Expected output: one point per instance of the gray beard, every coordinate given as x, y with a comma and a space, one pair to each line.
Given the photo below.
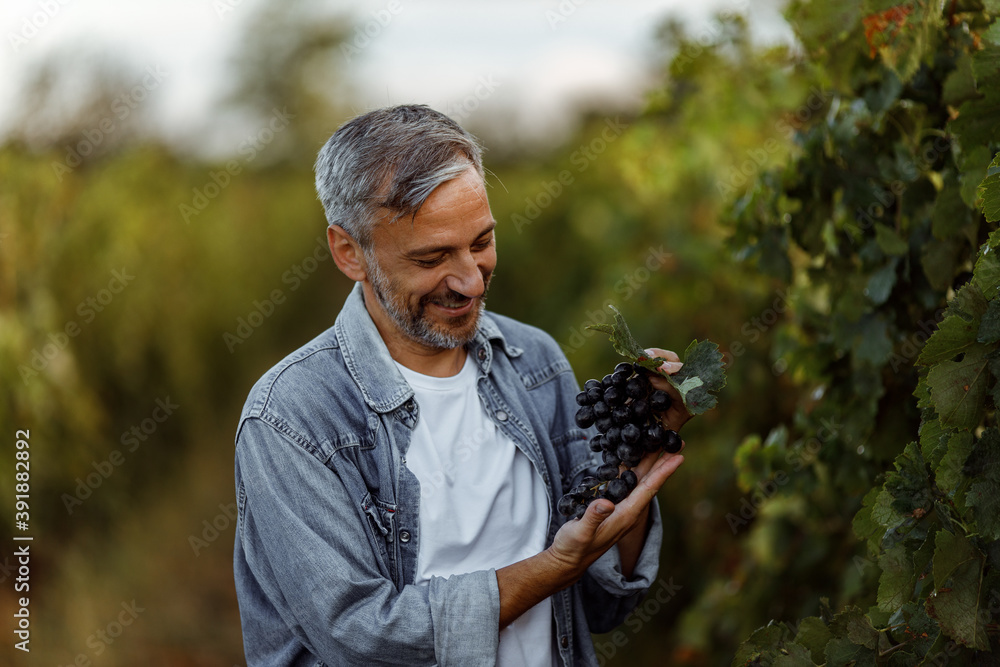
414, 324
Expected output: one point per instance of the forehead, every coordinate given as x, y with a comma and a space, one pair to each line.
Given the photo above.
457, 211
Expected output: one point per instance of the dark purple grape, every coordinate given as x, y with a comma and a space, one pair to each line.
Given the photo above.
597, 443
606, 381
567, 504
583, 399
636, 388
613, 436
592, 384
585, 417
611, 457
620, 415
620, 378
590, 481
627, 452
594, 394
613, 396
579, 511
655, 434
640, 410
603, 424
659, 401
631, 434
624, 367
630, 479
617, 491
607, 471
601, 409
672, 442
579, 491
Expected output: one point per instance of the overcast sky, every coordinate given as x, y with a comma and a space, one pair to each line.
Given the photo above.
537, 57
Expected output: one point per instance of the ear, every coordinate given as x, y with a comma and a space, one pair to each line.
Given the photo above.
346, 253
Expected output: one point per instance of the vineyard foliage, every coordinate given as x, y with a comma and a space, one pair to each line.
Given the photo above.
881, 226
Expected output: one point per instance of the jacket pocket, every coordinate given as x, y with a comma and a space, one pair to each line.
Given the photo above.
575, 457
381, 517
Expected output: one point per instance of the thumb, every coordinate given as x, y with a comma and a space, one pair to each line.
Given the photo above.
598, 511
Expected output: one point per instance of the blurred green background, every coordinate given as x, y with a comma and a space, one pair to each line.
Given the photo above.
140, 276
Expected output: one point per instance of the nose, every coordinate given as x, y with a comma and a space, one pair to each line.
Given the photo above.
467, 277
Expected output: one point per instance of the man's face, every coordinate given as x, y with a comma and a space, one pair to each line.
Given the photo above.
430, 278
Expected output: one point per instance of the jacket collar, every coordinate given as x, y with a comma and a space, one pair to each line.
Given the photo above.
370, 365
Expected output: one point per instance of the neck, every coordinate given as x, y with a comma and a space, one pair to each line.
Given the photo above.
420, 358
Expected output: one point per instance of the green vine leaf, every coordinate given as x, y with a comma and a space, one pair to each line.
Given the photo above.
958, 388
989, 191
958, 575
983, 465
699, 379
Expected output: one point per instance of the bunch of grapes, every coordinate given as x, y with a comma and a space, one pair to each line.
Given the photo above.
626, 410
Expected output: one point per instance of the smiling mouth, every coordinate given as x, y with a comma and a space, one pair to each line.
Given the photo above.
454, 306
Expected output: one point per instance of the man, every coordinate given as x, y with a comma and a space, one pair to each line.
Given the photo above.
397, 476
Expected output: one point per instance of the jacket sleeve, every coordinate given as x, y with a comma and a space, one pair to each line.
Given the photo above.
308, 553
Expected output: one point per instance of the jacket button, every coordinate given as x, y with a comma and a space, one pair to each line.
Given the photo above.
410, 405
501, 415
482, 354
404, 536
564, 641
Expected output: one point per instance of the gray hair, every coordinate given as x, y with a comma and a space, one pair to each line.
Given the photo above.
390, 158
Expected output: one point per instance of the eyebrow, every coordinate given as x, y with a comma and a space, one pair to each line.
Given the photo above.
421, 252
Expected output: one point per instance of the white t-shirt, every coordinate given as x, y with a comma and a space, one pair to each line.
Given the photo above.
481, 501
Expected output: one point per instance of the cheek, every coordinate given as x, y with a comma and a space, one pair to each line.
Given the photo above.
488, 261
427, 283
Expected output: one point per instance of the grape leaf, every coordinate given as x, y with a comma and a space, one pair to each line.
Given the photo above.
959, 387
865, 526
814, 635
794, 655
948, 474
933, 440
987, 272
989, 327
855, 626
895, 585
989, 190
763, 641
844, 653
983, 465
701, 376
958, 570
953, 336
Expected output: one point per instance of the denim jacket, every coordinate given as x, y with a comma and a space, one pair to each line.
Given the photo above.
327, 531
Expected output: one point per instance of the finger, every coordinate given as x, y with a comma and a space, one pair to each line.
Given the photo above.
647, 462
669, 355
670, 367
596, 513
650, 483
673, 363
660, 382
